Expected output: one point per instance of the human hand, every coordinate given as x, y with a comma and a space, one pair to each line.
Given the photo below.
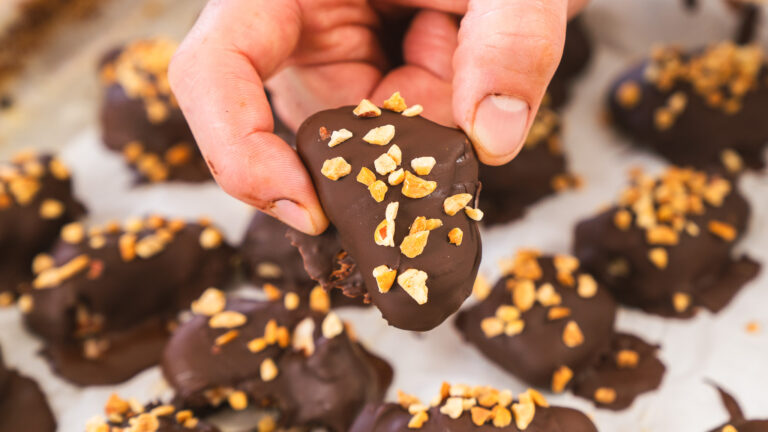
487, 75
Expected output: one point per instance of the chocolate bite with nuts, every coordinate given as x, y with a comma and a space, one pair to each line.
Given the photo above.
36, 200
23, 406
122, 415
703, 108
737, 421
106, 297
552, 325
401, 191
140, 117
667, 246
538, 170
283, 355
460, 408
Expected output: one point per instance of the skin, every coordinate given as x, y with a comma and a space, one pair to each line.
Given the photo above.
486, 75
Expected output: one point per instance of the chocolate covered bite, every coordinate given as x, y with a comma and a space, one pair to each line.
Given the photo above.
737, 421
667, 246
140, 117
461, 408
284, 355
23, 406
551, 324
105, 298
703, 108
131, 416
36, 200
577, 53
401, 191
537, 171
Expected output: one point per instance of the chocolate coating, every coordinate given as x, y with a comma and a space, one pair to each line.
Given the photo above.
326, 388
534, 173
700, 269
737, 418
350, 207
141, 119
576, 56
36, 200
107, 318
23, 406
712, 120
539, 350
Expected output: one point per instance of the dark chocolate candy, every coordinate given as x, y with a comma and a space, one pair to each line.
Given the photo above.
357, 202
463, 409
737, 421
551, 325
23, 406
140, 117
104, 298
667, 246
537, 171
576, 55
304, 363
704, 108
36, 200
130, 416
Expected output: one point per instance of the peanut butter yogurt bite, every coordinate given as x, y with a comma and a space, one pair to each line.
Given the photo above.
402, 193
106, 298
121, 415
461, 408
36, 200
297, 358
140, 117
551, 324
667, 246
703, 108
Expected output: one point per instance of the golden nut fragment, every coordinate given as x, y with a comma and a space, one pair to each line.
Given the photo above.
480, 415
474, 214
732, 161
227, 319
378, 190
211, 302
524, 294
681, 301
73, 233
416, 187
238, 400
385, 164
455, 236
418, 420
492, 327
414, 282
627, 359
659, 257
396, 154
303, 337
605, 395
423, 165
211, 238
268, 370
381, 135
291, 301
561, 378
587, 286
336, 168
396, 177
481, 289
558, 312
51, 209
366, 176
395, 103
413, 110
572, 335
339, 136
413, 244
723, 230
385, 277
384, 235
622, 219
455, 203
332, 326
421, 223
319, 300
366, 109
628, 95
661, 235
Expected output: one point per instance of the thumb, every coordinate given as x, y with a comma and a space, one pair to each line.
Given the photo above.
508, 51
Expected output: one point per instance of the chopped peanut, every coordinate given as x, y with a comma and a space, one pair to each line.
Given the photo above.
336, 168
572, 335
474, 214
423, 165
385, 277
378, 190
366, 109
413, 110
413, 244
395, 103
339, 136
396, 177
416, 187
366, 176
384, 164
455, 236
455, 203
414, 282
381, 135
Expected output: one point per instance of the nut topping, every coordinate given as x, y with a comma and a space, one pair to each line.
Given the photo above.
423, 165
385, 277
366, 109
395, 103
455, 203
339, 136
381, 135
416, 187
336, 168
414, 282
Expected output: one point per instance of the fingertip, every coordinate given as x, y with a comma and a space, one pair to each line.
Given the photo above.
307, 219
499, 128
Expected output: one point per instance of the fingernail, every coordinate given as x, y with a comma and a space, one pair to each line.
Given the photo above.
500, 124
294, 215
